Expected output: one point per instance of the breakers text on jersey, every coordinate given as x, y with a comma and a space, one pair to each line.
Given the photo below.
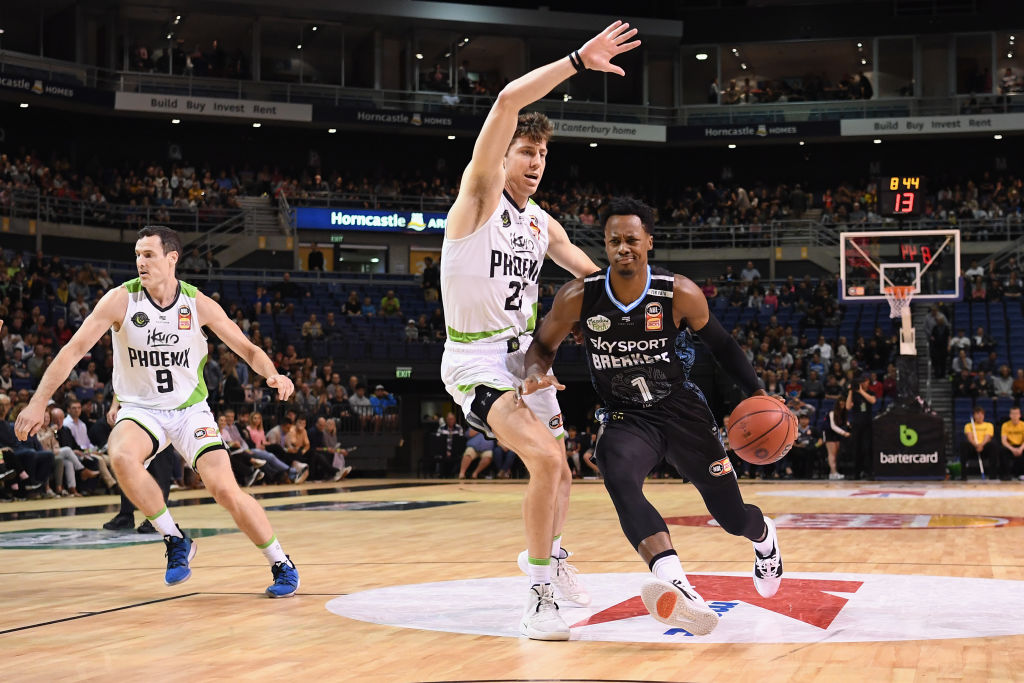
626, 354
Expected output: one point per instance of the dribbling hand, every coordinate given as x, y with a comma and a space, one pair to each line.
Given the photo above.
29, 421
598, 52
535, 383
284, 386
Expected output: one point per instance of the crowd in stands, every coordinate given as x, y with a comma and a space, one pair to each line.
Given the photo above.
211, 62
43, 301
810, 87
185, 193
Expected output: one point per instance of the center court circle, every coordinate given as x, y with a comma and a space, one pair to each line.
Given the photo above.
809, 607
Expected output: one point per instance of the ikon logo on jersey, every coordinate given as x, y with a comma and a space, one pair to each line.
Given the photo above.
205, 433
599, 323
184, 318
653, 316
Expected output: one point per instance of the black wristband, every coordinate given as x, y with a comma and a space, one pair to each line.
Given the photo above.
577, 61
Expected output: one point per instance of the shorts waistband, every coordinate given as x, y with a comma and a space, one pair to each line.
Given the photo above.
489, 348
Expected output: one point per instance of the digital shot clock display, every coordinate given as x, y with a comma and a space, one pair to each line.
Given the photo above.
900, 195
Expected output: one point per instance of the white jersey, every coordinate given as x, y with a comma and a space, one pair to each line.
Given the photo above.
159, 353
489, 279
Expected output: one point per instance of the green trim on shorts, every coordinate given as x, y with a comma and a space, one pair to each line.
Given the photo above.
206, 449
200, 392
556, 538
560, 436
162, 511
532, 322
156, 441
264, 546
539, 561
469, 337
467, 388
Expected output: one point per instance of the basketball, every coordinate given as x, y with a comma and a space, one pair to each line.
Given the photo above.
762, 430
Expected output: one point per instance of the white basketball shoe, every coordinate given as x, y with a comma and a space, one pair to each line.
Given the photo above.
768, 568
541, 620
564, 577
678, 604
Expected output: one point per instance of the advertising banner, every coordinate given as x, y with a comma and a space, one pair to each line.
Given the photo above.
909, 444
441, 120
213, 106
734, 131
314, 218
55, 89
930, 125
608, 130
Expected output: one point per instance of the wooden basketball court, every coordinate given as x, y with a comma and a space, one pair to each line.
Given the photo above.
72, 613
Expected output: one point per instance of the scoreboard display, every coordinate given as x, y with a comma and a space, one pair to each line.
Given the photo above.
900, 195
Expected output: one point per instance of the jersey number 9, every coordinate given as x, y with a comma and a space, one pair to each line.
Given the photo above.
164, 381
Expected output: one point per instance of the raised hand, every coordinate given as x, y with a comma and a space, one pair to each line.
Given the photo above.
598, 52
284, 386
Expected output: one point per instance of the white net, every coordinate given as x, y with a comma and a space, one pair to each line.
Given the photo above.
899, 298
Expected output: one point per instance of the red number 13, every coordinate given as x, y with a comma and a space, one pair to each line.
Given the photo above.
904, 202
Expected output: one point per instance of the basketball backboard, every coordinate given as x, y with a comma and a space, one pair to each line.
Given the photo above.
927, 260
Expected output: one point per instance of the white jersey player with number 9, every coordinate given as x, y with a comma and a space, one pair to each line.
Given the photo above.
495, 242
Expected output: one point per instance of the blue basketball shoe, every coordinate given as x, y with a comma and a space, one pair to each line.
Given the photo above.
180, 552
286, 580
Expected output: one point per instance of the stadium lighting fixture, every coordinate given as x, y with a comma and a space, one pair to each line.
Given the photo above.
1, 31
593, 144
863, 61
375, 260
23, 105
257, 124
801, 143
735, 51
997, 136
315, 27
1009, 55
732, 145
299, 46
566, 97
877, 141
860, 45
332, 131
419, 55
447, 55
701, 56
175, 121
451, 137
743, 66
169, 36
341, 258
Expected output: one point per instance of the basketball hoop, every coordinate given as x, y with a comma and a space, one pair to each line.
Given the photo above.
899, 298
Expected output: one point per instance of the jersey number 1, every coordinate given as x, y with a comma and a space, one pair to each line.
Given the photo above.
164, 381
641, 384
515, 300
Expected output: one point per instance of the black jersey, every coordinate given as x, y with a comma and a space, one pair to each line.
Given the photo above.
635, 352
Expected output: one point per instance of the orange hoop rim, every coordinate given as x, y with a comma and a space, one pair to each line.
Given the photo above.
899, 291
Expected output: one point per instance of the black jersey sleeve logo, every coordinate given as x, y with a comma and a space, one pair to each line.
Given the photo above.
140, 319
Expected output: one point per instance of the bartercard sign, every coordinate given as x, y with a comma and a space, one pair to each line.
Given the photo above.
931, 125
183, 105
607, 130
370, 221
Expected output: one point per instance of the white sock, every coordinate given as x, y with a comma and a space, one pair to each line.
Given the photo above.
273, 552
164, 523
556, 548
669, 568
540, 570
764, 547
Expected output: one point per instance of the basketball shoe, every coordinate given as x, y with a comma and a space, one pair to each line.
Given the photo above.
180, 552
768, 568
677, 604
541, 620
286, 579
564, 577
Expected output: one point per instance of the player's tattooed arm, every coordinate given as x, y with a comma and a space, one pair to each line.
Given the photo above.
553, 328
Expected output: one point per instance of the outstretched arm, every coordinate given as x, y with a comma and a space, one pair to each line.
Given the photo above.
688, 303
566, 254
213, 316
484, 177
553, 328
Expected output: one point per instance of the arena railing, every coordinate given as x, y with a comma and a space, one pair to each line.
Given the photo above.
33, 205
557, 106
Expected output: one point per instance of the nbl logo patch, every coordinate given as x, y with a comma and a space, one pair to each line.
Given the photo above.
184, 318
720, 468
653, 316
205, 433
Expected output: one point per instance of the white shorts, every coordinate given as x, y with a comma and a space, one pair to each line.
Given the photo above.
464, 367
192, 431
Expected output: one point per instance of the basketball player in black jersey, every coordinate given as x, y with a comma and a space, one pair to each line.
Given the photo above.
636, 323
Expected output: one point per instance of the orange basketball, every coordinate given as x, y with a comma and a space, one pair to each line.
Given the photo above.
762, 430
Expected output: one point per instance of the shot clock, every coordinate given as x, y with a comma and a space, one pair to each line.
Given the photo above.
900, 195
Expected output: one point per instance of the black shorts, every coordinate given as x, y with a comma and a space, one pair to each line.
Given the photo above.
681, 429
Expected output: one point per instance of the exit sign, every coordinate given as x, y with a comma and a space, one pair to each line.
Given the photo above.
403, 371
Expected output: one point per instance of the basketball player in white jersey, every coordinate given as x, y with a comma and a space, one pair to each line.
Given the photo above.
495, 242
160, 349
